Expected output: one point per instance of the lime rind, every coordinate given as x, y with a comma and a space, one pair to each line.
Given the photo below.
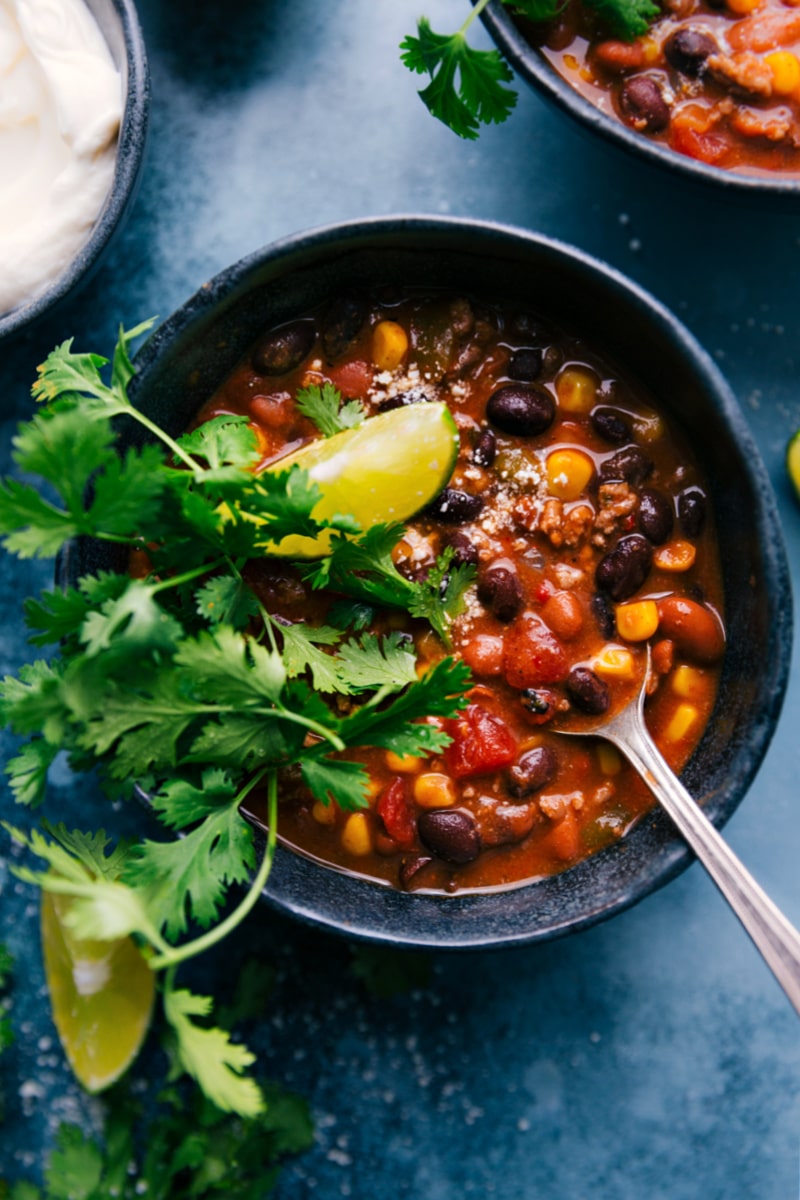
101, 995
793, 462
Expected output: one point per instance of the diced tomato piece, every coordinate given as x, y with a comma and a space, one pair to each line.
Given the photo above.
481, 743
532, 654
707, 147
397, 813
543, 592
353, 379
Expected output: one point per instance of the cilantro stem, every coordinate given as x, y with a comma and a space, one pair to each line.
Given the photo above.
164, 437
476, 12
174, 955
187, 576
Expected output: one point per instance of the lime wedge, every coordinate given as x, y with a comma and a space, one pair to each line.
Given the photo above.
101, 995
793, 462
384, 470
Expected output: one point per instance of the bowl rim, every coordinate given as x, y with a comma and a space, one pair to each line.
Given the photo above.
285, 889
129, 157
536, 71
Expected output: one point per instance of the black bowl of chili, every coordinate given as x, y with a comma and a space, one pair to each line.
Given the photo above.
181, 368
679, 96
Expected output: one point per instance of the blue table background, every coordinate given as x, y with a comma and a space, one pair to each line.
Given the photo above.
653, 1056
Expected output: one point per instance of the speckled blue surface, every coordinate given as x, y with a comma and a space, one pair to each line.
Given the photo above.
652, 1056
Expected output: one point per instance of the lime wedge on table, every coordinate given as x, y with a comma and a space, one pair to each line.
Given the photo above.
793, 462
101, 994
384, 470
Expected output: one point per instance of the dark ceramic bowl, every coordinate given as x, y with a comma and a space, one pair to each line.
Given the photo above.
119, 25
187, 357
536, 71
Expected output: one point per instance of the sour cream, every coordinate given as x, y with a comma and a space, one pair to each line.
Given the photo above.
60, 110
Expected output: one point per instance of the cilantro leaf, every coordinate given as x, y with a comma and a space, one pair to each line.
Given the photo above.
629, 19
322, 404
75, 1167
60, 614
536, 10
209, 1056
192, 873
337, 779
375, 662
227, 440
27, 771
466, 85
301, 652
226, 600
440, 692
130, 621
439, 598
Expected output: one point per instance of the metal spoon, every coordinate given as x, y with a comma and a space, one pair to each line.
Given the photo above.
775, 937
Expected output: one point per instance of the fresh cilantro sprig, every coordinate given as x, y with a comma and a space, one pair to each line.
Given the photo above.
466, 88
363, 567
322, 404
176, 677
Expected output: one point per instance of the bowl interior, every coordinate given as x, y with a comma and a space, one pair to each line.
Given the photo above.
192, 352
536, 71
119, 25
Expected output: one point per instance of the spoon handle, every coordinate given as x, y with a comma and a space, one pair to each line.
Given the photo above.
773, 934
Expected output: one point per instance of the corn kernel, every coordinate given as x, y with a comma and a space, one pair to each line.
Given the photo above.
389, 345
434, 790
785, 68
651, 51
406, 764
356, 837
323, 814
638, 621
576, 389
568, 473
689, 682
681, 721
571, 62
742, 7
613, 662
609, 759
675, 556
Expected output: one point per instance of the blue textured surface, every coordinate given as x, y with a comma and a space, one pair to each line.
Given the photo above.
654, 1055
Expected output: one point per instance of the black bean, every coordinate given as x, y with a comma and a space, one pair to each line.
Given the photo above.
500, 590
630, 464
465, 552
687, 50
532, 771
451, 833
410, 867
611, 425
643, 104
692, 511
523, 409
656, 517
283, 349
485, 448
603, 611
342, 324
452, 507
525, 365
587, 692
416, 395
624, 569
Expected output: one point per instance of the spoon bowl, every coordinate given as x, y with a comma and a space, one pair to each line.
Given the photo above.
774, 936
